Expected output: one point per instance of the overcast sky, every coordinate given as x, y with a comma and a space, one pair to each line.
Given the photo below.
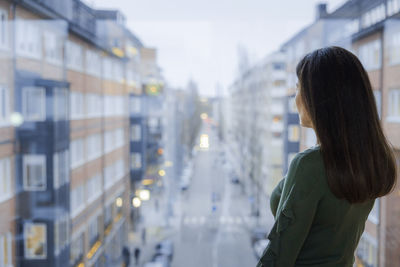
199, 39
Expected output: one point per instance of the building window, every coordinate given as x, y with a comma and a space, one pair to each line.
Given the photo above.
107, 68
393, 7
35, 242
77, 153
394, 105
136, 132
94, 187
93, 105
5, 179
61, 234
6, 250
60, 107
118, 70
108, 216
60, 168
119, 137
77, 105
93, 231
108, 141
76, 249
292, 105
293, 133
77, 200
34, 172
93, 63
370, 55
74, 56
367, 250
34, 103
378, 101
136, 161
113, 139
3, 29
93, 146
28, 37
373, 16
4, 105
53, 48
135, 105
113, 173
394, 48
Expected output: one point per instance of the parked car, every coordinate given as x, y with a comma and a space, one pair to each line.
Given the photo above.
162, 260
165, 248
186, 177
259, 247
235, 179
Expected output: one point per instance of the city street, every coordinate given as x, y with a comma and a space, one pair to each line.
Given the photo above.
213, 233
211, 225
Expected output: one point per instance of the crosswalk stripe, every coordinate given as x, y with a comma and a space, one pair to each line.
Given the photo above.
225, 220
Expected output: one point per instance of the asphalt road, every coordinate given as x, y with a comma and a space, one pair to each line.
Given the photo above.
213, 224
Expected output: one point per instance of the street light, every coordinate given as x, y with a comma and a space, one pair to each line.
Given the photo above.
161, 173
144, 194
136, 202
204, 116
119, 202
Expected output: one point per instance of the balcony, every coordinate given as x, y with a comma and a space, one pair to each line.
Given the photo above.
83, 20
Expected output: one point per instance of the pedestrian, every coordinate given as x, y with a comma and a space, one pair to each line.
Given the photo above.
144, 236
126, 255
322, 204
137, 255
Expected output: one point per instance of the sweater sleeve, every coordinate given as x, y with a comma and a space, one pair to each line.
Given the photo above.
276, 196
295, 214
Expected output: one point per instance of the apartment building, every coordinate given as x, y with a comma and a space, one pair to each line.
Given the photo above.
8, 196
273, 120
65, 132
255, 142
153, 100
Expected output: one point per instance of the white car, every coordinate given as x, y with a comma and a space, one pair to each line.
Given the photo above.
186, 177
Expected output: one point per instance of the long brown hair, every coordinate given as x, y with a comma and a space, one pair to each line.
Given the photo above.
337, 93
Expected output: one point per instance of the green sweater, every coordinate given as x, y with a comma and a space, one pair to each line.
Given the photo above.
312, 226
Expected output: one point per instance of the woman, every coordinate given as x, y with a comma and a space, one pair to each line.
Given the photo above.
321, 205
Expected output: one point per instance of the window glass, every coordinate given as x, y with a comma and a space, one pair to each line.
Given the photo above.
34, 103
35, 241
34, 174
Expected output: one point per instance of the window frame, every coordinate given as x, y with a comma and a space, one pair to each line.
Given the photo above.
5, 173
31, 224
393, 105
36, 159
27, 99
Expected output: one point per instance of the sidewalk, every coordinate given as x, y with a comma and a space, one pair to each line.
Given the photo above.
156, 230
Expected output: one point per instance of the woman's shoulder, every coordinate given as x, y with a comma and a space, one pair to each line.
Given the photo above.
310, 158
307, 168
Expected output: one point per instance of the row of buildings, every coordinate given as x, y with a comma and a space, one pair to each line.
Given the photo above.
74, 122
264, 133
